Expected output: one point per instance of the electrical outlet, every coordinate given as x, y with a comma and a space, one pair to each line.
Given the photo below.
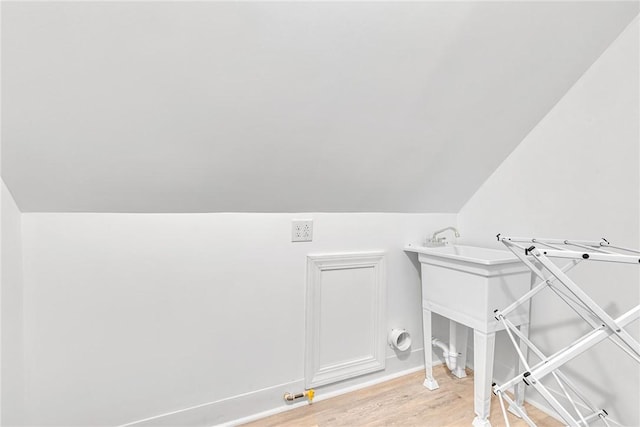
302, 230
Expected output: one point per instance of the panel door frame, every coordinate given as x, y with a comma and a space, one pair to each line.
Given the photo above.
317, 264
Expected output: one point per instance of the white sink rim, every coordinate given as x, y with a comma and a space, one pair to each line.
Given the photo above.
468, 254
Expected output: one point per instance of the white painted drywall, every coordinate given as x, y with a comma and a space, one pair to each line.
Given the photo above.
280, 106
576, 175
129, 316
11, 310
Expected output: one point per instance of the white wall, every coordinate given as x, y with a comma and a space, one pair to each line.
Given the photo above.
219, 106
129, 316
576, 176
12, 367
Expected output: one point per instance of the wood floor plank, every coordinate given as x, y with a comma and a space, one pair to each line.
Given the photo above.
403, 401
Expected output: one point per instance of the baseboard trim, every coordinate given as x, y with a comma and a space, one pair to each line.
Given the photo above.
544, 407
229, 412
232, 411
326, 396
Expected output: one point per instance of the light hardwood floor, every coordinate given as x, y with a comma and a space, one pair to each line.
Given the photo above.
402, 402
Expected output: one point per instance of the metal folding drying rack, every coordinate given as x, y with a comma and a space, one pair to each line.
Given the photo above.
536, 254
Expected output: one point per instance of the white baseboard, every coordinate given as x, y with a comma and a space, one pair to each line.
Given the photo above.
544, 406
258, 404
244, 408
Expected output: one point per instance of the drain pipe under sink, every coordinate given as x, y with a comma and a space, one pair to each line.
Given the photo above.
449, 351
450, 359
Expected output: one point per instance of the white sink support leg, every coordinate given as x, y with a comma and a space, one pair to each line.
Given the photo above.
483, 348
520, 386
458, 334
429, 381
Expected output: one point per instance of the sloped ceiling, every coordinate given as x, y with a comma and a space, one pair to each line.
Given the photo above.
280, 107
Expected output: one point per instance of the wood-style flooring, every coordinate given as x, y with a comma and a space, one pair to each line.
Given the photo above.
403, 401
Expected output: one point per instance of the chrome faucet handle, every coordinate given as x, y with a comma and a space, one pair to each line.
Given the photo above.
455, 232
439, 241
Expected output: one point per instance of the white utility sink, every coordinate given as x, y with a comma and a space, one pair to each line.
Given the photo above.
466, 284
470, 254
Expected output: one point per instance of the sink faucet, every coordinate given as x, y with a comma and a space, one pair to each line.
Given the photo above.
441, 241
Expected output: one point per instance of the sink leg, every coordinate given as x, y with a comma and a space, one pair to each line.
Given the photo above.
429, 381
520, 387
458, 334
483, 348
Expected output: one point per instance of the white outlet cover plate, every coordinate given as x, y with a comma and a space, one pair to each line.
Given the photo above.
302, 230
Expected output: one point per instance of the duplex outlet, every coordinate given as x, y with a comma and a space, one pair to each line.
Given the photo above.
302, 230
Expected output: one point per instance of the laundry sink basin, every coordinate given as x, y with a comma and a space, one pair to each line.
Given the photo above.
466, 254
467, 283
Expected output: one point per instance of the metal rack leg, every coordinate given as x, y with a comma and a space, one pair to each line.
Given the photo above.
520, 388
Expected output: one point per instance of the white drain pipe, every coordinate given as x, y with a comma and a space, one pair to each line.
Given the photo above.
450, 358
449, 351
